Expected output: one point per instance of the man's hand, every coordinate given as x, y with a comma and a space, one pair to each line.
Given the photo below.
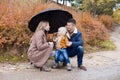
69, 44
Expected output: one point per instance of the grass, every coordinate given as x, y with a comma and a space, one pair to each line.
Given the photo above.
101, 46
13, 58
107, 45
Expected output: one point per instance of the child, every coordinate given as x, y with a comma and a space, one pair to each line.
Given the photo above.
61, 53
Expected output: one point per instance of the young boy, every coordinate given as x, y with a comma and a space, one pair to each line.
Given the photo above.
61, 53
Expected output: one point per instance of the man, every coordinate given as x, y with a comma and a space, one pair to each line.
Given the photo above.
75, 44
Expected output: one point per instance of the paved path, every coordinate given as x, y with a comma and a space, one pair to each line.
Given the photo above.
104, 65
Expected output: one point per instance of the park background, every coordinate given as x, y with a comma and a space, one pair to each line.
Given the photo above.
95, 19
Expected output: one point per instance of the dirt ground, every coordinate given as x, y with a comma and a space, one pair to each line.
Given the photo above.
103, 65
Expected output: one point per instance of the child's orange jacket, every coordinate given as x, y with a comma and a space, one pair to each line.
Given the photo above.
63, 42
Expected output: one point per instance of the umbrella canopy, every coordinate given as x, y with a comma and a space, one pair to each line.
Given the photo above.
56, 18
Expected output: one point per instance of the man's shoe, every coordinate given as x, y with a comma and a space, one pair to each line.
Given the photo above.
83, 68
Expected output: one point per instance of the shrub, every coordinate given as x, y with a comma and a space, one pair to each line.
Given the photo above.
107, 45
12, 58
15, 15
95, 31
107, 21
14, 38
116, 16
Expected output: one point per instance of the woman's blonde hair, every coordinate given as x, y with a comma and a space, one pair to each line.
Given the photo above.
41, 25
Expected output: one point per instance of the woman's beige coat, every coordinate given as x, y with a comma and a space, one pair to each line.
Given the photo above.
39, 50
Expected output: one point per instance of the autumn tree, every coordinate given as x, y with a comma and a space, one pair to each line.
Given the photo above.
97, 7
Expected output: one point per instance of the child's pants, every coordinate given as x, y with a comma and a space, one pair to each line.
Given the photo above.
62, 56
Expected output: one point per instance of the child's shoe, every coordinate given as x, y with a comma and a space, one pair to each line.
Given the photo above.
69, 67
55, 66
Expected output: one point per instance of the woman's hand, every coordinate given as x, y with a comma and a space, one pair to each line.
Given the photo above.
51, 44
55, 39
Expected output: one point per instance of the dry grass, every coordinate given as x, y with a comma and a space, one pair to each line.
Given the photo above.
107, 21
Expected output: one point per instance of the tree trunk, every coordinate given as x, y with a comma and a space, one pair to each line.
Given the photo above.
57, 1
63, 2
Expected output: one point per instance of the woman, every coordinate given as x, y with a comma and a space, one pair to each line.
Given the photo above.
39, 50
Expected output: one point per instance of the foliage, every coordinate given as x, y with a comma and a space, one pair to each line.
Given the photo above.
101, 45
77, 3
116, 16
13, 55
12, 58
98, 7
14, 37
107, 45
118, 1
95, 31
14, 33
107, 21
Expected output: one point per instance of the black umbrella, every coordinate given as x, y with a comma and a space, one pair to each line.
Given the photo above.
56, 18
